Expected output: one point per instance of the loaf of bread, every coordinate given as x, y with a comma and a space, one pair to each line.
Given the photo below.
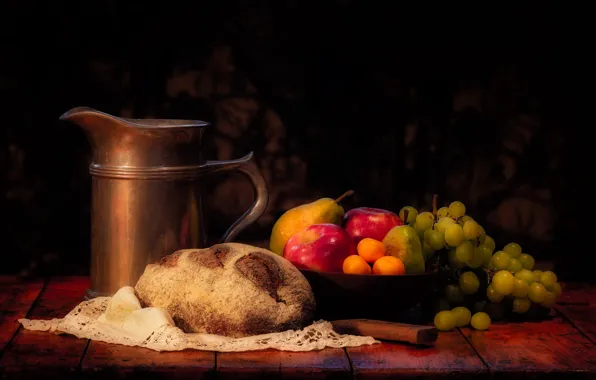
229, 289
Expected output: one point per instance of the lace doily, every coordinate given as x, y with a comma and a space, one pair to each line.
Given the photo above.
121, 320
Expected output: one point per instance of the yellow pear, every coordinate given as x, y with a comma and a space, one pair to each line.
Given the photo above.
403, 242
324, 210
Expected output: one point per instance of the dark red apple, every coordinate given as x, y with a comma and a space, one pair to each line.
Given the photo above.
320, 247
367, 222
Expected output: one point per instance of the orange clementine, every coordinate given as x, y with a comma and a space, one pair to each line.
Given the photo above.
389, 265
370, 249
355, 264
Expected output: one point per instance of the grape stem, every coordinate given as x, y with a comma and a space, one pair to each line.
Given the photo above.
406, 212
344, 195
435, 196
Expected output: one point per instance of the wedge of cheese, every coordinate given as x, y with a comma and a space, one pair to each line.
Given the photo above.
124, 312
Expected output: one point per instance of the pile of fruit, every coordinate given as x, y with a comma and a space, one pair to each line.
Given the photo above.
319, 236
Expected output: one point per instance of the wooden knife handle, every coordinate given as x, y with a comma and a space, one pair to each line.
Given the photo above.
399, 332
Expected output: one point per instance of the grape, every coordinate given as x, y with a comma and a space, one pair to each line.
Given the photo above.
420, 233
464, 252
537, 274
443, 223
475, 261
521, 305
469, 283
556, 288
412, 214
514, 265
457, 209
501, 260
503, 282
548, 279
493, 295
484, 252
424, 221
537, 292
550, 298
490, 243
471, 230
465, 218
526, 275
454, 294
527, 261
513, 250
480, 321
482, 236
482, 257
445, 320
454, 235
520, 288
462, 316
427, 250
435, 239
442, 212
453, 261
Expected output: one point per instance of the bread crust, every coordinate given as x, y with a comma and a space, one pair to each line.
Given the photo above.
229, 289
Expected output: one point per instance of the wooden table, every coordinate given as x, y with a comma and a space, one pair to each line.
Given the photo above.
562, 347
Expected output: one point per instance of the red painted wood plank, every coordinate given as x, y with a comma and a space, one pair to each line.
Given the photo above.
324, 364
582, 317
452, 356
104, 360
535, 349
578, 293
34, 354
16, 298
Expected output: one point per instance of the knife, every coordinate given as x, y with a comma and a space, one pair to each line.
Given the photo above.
391, 331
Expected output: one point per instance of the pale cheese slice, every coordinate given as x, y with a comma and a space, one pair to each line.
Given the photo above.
121, 305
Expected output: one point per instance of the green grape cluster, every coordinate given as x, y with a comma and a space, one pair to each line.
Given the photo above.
450, 228
460, 316
471, 253
516, 279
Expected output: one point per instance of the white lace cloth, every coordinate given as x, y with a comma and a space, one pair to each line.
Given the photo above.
121, 320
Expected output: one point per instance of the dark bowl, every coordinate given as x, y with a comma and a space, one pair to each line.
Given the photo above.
383, 297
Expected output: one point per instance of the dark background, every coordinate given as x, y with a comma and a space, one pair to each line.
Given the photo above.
395, 102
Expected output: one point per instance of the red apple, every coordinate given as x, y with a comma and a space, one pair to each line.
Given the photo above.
320, 247
367, 222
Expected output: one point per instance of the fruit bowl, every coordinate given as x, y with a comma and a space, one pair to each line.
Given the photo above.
384, 297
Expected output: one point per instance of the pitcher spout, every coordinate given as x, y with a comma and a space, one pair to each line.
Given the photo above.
90, 115
90, 119
75, 112
123, 142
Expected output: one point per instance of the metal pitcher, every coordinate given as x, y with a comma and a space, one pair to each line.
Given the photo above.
146, 193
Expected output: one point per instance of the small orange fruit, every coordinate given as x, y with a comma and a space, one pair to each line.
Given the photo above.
355, 264
389, 265
371, 250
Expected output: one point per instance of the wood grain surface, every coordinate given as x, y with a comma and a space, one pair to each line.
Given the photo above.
325, 364
451, 356
104, 360
563, 347
16, 298
578, 294
535, 349
35, 354
582, 317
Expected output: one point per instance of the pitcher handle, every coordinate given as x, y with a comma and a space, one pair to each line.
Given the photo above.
247, 166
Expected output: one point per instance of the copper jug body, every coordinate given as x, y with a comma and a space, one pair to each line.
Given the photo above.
146, 193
